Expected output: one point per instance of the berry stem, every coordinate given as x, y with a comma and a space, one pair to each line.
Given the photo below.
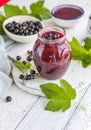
81, 106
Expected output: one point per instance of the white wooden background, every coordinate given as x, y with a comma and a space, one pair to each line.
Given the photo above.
26, 111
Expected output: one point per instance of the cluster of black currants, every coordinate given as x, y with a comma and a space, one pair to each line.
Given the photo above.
28, 76
31, 74
51, 36
28, 58
25, 28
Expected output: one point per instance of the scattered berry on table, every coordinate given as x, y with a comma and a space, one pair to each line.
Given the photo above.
32, 72
24, 62
18, 58
21, 76
29, 58
8, 98
28, 77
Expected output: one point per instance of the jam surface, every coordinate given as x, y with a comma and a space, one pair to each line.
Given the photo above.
51, 57
52, 35
67, 13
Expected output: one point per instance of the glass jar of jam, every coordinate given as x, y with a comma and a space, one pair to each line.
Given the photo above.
52, 53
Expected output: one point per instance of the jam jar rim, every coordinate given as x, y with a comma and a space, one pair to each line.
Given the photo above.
51, 28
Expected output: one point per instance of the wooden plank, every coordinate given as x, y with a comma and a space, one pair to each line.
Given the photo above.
39, 119
13, 112
82, 119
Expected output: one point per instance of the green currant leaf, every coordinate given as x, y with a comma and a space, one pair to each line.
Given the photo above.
2, 18
11, 10
24, 11
59, 96
38, 4
78, 51
87, 43
66, 87
21, 66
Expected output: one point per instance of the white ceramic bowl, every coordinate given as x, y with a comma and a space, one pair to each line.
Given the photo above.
19, 38
67, 15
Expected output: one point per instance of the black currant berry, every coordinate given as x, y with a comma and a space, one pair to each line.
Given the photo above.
8, 98
29, 58
28, 77
18, 58
21, 76
24, 62
32, 72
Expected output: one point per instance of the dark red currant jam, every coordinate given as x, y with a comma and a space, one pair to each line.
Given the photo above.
67, 13
52, 53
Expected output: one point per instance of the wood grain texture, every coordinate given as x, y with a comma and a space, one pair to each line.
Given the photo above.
13, 112
26, 112
39, 119
82, 119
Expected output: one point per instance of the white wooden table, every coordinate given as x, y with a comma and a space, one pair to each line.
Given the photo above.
26, 111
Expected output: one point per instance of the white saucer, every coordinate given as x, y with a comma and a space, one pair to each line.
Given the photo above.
73, 76
31, 86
